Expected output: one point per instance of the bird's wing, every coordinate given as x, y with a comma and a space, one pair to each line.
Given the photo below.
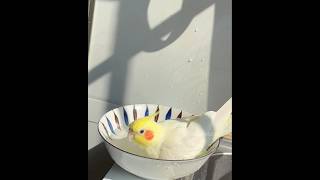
184, 142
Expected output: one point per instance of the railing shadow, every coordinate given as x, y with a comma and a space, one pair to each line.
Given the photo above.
133, 35
219, 87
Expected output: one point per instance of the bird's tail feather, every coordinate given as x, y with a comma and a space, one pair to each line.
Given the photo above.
223, 120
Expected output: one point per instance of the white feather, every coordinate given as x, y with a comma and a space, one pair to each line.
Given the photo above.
184, 142
187, 142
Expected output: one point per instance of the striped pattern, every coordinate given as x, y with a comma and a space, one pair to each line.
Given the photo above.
168, 115
134, 113
180, 115
110, 126
147, 112
117, 120
113, 121
157, 116
125, 116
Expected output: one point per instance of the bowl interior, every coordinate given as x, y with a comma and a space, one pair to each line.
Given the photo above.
114, 125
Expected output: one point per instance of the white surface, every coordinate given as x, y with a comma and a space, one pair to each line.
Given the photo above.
141, 71
117, 173
154, 169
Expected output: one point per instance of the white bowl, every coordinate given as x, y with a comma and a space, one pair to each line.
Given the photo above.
113, 127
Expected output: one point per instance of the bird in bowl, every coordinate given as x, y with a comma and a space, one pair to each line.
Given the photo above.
179, 139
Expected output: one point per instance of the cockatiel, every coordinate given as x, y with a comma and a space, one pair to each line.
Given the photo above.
181, 139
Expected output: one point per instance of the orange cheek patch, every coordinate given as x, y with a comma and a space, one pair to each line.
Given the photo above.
148, 135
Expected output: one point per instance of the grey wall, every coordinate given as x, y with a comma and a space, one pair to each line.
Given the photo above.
141, 51
175, 53
90, 17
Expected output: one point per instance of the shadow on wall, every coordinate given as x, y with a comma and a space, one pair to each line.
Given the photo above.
134, 35
219, 87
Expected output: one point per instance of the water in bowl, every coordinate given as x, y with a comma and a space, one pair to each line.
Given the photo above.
126, 145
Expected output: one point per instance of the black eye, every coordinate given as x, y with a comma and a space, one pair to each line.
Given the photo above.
141, 131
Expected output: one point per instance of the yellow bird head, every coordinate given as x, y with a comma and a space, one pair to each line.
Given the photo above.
146, 131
